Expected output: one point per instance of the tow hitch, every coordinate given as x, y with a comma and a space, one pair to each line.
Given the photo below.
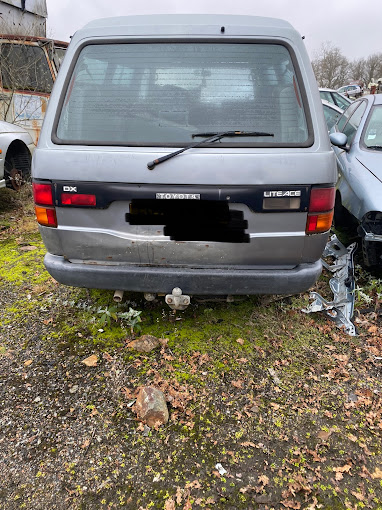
176, 300
340, 310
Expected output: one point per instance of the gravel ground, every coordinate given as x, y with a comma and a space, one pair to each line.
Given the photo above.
268, 408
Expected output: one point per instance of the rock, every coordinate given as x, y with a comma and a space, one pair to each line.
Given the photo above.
145, 343
73, 389
151, 406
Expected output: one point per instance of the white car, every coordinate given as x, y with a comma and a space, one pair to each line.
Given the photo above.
16, 149
350, 91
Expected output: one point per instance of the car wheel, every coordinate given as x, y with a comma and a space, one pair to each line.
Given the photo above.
17, 169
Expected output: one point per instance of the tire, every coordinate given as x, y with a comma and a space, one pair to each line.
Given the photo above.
17, 168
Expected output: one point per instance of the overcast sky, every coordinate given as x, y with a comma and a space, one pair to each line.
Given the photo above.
352, 25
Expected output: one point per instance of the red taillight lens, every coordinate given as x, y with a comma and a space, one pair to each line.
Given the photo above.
46, 216
322, 199
78, 199
322, 203
42, 194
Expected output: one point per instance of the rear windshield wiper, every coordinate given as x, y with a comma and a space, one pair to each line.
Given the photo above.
211, 138
376, 147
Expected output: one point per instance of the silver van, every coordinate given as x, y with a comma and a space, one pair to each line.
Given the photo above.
185, 151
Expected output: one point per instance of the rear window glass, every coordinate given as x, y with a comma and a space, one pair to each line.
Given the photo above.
150, 94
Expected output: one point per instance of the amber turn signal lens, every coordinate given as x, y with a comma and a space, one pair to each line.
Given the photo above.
318, 223
46, 216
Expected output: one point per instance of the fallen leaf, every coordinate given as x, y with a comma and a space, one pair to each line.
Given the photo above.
248, 443
178, 495
85, 444
28, 362
358, 495
91, 361
263, 479
170, 504
107, 356
28, 248
240, 341
377, 473
163, 341
324, 435
342, 469
237, 384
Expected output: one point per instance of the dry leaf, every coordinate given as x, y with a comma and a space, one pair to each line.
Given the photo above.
170, 504
28, 248
324, 435
29, 362
91, 361
240, 341
178, 495
342, 469
263, 479
237, 384
85, 444
248, 443
163, 341
377, 473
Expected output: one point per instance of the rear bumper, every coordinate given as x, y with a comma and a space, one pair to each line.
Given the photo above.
198, 281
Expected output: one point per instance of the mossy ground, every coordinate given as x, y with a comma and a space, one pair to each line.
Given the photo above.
290, 406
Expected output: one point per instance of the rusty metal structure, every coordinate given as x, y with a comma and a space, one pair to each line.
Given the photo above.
29, 63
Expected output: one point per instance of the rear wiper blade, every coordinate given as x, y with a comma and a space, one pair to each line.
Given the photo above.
376, 147
234, 133
211, 138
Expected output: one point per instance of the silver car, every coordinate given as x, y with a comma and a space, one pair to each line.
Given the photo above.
16, 149
357, 142
186, 152
332, 96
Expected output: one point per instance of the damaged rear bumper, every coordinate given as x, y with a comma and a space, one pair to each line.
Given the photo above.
197, 281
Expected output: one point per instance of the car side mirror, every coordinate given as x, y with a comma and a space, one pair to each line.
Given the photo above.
339, 140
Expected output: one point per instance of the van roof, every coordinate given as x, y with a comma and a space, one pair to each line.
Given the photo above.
188, 24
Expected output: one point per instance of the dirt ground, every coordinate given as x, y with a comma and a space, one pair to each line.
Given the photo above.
269, 408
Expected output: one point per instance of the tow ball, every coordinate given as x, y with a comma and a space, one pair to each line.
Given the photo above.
176, 300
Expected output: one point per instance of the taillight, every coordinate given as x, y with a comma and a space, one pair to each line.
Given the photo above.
43, 196
78, 199
46, 216
321, 204
322, 199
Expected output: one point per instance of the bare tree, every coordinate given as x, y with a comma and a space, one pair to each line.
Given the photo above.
330, 66
373, 67
357, 70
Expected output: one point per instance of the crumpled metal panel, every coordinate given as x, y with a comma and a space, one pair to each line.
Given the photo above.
340, 310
